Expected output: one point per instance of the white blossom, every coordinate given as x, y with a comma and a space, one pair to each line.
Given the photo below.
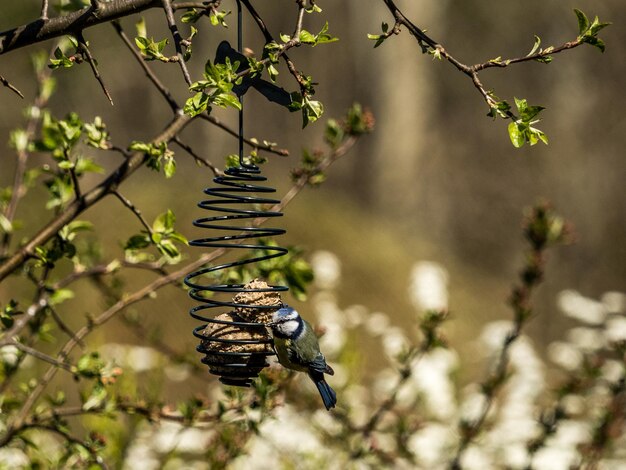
428, 286
475, 458
9, 355
587, 339
581, 308
13, 458
431, 445
494, 334
333, 340
565, 355
615, 329
555, 458
355, 315
473, 403
377, 323
432, 376
327, 268
174, 436
394, 342
614, 302
612, 370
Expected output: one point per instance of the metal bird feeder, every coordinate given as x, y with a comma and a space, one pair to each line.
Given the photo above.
235, 342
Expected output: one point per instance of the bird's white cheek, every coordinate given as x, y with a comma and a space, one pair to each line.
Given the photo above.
289, 327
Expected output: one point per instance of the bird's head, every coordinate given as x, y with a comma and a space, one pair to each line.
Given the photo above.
286, 322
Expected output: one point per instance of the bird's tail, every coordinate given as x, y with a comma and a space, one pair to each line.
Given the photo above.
329, 397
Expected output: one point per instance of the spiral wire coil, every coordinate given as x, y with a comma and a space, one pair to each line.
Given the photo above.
239, 187
238, 200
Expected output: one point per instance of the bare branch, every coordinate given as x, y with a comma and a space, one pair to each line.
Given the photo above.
133, 209
203, 161
18, 188
44, 357
264, 147
84, 50
63, 326
148, 71
171, 23
44, 10
8, 84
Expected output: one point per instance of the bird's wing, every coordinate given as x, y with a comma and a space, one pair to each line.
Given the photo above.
316, 361
319, 365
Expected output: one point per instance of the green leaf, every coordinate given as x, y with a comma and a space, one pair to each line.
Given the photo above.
60, 296
191, 16
96, 398
196, 104
588, 32
224, 100
87, 165
140, 27
5, 225
137, 242
516, 135
219, 18
583, 21
535, 46
306, 37
164, 222
169, 167
168, 249
90, 365
19, 140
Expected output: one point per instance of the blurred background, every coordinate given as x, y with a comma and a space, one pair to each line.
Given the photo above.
437, 180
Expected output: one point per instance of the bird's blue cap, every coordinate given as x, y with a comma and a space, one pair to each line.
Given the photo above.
284, 314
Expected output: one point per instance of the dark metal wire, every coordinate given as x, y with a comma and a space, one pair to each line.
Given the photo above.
238, 199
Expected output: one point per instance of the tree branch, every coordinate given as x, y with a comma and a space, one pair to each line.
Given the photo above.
147, 70
18, 189
171, 23
427, 44
88, 199
264, 147
8, 84
203, 161
82, 45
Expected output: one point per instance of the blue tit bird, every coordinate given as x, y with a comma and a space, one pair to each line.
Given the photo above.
297, 348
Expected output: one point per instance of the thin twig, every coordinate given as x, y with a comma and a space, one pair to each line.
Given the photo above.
63, 326
203, 161
84, 50
44, 357
254, 144
171, 23
147, 70
44, 10
128, 203
18, 188
8, 84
